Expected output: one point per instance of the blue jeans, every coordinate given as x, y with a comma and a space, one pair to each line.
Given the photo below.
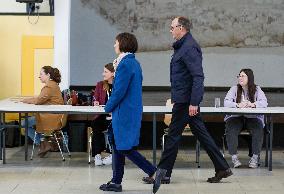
133, 155
31, 130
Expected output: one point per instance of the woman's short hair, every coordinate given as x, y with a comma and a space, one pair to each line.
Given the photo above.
127, 42
53, 72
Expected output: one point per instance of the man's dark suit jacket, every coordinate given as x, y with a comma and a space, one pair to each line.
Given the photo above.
186, 72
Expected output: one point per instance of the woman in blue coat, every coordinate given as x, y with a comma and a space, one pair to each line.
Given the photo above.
126, 107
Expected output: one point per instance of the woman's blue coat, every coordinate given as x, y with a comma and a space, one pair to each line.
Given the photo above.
125, 103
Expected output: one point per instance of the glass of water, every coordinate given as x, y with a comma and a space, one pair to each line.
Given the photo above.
217, 102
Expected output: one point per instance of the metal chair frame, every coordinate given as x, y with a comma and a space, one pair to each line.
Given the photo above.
54, 134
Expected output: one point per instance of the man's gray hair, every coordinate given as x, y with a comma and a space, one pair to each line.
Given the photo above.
186, 23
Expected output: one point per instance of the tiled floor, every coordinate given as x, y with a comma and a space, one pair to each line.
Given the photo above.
75, 176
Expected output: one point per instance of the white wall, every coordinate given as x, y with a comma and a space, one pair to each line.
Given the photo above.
11, 6
62, 40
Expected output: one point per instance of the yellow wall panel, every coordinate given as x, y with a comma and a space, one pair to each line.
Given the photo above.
11, 34
29, 46
43, 57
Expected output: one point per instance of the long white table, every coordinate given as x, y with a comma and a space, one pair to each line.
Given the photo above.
12, 105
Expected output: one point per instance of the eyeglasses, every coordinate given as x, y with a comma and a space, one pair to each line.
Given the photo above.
241, 76
173, 27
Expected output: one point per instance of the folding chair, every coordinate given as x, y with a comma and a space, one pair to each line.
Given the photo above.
57, 134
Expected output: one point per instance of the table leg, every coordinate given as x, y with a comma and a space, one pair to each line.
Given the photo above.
154, 139
26, 136
20, 127
1, 135
3, 140
267, 131
270, 144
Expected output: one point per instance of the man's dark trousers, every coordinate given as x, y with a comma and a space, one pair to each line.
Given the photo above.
180, 118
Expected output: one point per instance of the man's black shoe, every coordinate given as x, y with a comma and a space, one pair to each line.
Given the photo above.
150, 180
160, 174
219, 175
111, 187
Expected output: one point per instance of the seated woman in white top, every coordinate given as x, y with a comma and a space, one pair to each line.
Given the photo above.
245, 95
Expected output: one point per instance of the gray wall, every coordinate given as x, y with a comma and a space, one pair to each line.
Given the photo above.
221, 66
91, 45
233, 23
255, 27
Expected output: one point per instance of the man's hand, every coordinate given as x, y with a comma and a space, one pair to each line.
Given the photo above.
193, 110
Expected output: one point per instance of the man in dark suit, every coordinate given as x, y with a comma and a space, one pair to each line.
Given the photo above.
187, 88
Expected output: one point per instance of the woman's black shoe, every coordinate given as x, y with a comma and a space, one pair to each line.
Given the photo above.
111, 187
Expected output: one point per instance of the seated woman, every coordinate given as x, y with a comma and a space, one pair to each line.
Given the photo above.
101, 122
245, 95
50, 95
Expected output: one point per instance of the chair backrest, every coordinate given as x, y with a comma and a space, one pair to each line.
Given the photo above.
64, 120
168, 117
